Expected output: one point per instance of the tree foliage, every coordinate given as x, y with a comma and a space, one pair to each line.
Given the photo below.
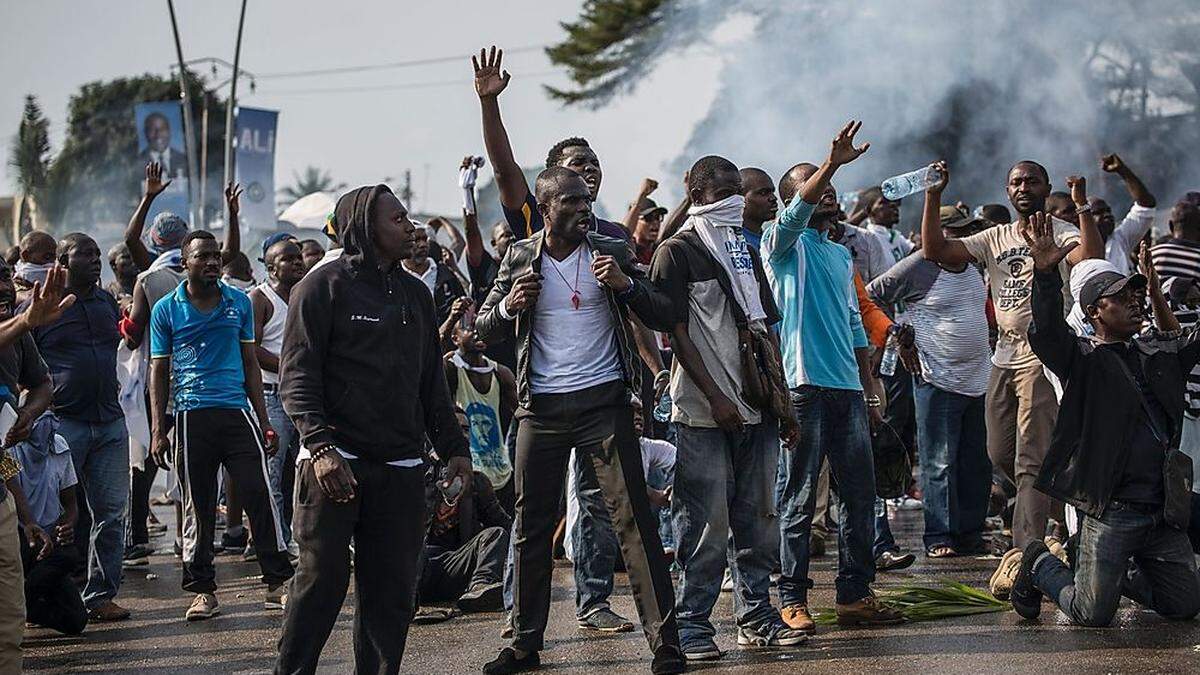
312, 179
29, 157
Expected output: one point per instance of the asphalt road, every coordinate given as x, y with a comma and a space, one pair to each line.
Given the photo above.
242, 639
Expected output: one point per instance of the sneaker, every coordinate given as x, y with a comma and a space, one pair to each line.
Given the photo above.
507, 662
705, 650
727, 582
1002, 579
250, 554
108, 611
482, 598
1026, 598
668, 660
768, 635
606, 621
1056, 548
798, 618
893, 560
868, 611
235, 541
204, 606
276, 597
137, 555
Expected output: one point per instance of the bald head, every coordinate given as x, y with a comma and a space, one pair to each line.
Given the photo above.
38, 247
790, 182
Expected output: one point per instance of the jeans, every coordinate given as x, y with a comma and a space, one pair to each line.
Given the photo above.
283, 464
1162, 578
833, 425
100, 451
594, 544
724, 484
661, 479
956, 475
884, 541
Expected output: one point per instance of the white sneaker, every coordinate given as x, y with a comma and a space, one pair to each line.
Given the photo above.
204, 606
1002, 579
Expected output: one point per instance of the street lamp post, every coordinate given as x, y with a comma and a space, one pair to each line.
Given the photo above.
232, 103
188, 126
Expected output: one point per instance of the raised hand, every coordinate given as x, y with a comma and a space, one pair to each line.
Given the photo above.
943, 169
233, 195
1112, 163
49, 300
154, 184
648, 186
1078, 186
1146, 266
490, 79
1045, 251
842, 150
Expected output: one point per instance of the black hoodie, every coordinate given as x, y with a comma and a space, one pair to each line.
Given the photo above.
361, 364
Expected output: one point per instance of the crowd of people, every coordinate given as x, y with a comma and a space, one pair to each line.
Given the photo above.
699, 394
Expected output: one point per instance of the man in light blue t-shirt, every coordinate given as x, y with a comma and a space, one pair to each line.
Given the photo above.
202, 335
826, 362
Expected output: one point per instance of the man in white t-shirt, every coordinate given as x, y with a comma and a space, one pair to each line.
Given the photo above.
1121, 240
1020, 404
564, 295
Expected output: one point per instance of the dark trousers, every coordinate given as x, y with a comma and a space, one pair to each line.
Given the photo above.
598, 423
448, 573
51, 599
141, 482
386, 521
206, 440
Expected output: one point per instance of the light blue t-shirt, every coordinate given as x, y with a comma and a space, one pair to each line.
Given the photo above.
813, 282
205, 347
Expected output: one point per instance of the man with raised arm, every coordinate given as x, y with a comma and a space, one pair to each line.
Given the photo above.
1121, 240
826, 360
1020, 402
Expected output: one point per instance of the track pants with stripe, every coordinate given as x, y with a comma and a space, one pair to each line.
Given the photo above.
205, 440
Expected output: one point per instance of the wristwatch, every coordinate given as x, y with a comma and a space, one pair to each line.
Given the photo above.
1086, 208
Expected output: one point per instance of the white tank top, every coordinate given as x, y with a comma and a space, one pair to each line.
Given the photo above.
272, 339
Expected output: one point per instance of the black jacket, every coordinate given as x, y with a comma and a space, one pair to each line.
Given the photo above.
450, 528
361, 364
1100, 408
651, 305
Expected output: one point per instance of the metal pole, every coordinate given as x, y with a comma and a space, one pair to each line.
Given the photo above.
203, 165
237, 57
188, 127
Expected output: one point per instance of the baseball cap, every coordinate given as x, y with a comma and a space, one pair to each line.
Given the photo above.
649, 207
275, 239
954, 218
1107, 284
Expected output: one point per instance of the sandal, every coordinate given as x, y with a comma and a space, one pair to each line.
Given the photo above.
941, 551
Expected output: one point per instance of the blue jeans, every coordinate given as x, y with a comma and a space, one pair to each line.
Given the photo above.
1162, 577
884, 541
956, 474
595, 544
724, 485
833, 424
100, 451
289, 448
660, 479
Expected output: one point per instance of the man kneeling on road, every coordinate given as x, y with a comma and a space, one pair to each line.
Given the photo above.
1114, 454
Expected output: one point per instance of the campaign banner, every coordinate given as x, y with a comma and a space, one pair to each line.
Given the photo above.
160, 139
254, 157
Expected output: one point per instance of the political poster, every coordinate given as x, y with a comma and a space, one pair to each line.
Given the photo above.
254, 157
160, 139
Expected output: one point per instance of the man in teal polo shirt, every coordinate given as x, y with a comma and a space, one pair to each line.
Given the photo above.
203, 335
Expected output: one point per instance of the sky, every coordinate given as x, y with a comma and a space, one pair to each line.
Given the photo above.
363, 136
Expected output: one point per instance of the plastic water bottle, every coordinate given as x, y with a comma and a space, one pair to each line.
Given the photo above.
662, 411
890, 355
898, 187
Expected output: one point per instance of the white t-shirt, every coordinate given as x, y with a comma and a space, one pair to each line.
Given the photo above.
573, 347
893, 242
1127, 235
428, 277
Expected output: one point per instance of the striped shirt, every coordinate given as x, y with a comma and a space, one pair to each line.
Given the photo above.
1189, 316
945, 311
1176, 258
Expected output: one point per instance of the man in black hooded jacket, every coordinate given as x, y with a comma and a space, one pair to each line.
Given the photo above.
361, 377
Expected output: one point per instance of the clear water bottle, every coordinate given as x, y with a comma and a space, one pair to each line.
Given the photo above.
890, 356
662, 411
898, 187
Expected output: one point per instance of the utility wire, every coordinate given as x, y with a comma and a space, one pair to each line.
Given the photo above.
385, 66
384, 87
